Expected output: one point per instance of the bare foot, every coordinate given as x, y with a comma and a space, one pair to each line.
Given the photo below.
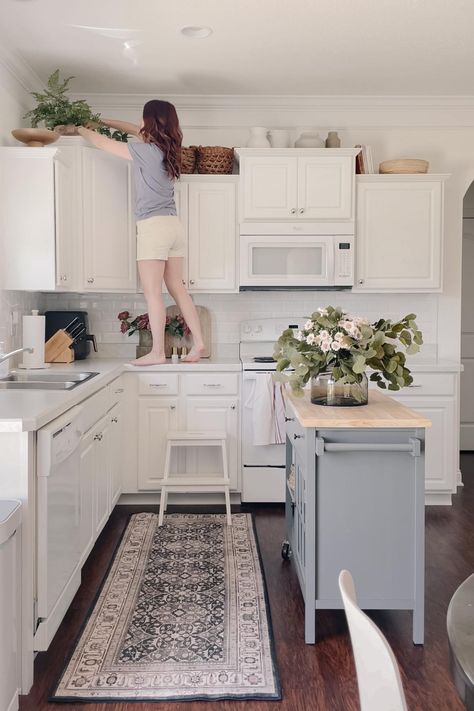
194, 354
151, 358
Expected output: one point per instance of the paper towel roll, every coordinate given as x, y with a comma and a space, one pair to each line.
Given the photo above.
33, 337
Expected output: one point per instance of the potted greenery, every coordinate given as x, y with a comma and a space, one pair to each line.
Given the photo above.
334, 350
56, 111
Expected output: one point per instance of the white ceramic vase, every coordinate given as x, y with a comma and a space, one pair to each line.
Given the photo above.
258, 138
279, 138
310, 139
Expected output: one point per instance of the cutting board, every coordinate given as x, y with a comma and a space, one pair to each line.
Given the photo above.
204, 318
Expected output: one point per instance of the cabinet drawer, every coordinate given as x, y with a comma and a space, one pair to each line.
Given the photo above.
211, 384
116, 390
158, 384
430, 384
296, 434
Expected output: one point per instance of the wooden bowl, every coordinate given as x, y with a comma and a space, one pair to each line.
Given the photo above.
35, 137
404, 165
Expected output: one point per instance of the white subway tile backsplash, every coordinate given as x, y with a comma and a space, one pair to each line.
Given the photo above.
228, 310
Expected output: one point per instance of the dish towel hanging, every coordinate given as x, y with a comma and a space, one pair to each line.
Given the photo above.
268, 411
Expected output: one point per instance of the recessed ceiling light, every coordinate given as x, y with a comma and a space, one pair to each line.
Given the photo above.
196, 31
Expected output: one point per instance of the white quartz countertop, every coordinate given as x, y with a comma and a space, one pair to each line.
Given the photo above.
28, 410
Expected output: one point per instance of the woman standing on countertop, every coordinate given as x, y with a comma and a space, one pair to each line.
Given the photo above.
160, 242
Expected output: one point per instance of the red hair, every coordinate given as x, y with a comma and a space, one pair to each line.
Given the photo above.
161, 127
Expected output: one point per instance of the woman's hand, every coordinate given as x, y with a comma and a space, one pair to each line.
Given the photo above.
124, 126
117, 148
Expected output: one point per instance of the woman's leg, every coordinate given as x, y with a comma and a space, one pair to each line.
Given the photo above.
151, 276
174, 282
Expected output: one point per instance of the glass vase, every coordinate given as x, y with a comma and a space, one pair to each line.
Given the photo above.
145, 342
327, 391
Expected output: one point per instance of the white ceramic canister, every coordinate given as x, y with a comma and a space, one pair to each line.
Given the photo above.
279, 138
310, 139
258, 138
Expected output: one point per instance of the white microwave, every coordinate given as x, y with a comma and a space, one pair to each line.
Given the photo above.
289, 261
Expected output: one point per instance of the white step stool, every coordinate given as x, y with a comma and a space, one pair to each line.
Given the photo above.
195, 484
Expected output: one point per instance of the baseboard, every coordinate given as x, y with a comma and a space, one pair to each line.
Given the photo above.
185, 500
14, 703
441, 499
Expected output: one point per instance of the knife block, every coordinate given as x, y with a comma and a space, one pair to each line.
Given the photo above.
58, 348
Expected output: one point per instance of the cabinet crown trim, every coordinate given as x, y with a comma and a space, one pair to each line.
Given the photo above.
296, 152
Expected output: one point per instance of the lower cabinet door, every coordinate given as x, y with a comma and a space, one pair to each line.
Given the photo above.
156, 416
88, 466
101, 479
115, 445
208, 413
440, 455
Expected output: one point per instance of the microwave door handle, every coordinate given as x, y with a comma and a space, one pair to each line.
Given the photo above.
331, 261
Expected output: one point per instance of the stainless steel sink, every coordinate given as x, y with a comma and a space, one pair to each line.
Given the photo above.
19, 380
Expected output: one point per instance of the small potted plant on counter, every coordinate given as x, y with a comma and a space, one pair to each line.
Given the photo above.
176, 329
335, 349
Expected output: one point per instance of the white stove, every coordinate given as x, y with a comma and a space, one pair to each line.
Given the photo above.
263, 459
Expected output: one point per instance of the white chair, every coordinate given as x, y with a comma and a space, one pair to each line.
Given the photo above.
188, 484
378, 676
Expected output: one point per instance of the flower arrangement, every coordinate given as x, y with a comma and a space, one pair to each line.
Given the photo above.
176, 325
346, 346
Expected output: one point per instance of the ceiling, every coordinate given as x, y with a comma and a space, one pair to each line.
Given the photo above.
353, 47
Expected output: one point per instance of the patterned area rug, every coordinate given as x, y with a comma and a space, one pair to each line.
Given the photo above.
182, 615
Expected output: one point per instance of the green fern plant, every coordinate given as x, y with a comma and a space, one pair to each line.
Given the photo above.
54, 108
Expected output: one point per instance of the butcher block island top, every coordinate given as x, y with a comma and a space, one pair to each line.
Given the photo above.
382, 411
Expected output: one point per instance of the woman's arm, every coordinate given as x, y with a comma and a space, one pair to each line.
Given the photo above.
124, 126
117, 148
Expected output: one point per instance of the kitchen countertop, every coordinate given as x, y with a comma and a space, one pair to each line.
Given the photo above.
28, 410
382, 411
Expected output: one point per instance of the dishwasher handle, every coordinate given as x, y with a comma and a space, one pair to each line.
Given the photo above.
413, 447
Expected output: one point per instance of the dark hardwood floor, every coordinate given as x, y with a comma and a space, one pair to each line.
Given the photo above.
320, 677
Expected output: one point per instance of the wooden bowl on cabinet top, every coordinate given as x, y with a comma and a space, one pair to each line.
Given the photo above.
404, 165
35, 137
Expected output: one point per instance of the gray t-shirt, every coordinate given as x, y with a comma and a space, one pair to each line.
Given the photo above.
154, 189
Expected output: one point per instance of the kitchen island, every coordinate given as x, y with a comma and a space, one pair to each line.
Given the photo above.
355, 501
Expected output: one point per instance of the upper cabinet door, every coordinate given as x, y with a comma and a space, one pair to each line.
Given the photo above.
326, 188
399, 233
269, 188
64, 208
109, 229
211, 235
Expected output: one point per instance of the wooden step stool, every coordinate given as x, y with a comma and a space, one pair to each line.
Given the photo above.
195, 484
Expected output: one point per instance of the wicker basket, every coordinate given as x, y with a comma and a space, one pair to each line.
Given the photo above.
215, 159
404, 165
188, 159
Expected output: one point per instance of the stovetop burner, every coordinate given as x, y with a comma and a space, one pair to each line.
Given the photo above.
264, 359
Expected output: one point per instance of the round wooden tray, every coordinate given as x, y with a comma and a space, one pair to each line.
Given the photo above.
404, 165
35, 137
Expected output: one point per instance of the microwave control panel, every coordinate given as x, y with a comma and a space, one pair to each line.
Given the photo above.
344, 262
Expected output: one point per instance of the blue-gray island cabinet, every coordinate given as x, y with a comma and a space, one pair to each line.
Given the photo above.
355, 500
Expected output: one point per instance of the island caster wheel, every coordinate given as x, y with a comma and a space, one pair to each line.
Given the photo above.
286, 550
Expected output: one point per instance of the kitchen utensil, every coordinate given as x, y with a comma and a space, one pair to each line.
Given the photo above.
310, 139
279, 138
33, 337
58, 348
69, 321
258, 138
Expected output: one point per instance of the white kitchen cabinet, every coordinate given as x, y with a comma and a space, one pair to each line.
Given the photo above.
115, 446
87, 469
10, 613
294, 184
188, 401
66, 219
433, 394
156, 416
36, 220
399, 233
211, 414
206, 205
109, 243
101, 480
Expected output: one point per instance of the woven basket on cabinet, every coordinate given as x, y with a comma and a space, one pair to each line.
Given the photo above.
188, 159
215, 159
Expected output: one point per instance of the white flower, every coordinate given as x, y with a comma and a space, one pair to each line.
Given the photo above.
308, 325
335, 346
310, 339
339, 336
325, 346
324, 335
323, 312
299, 336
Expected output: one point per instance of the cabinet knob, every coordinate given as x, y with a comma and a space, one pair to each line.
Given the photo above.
289, 419
361, 281
90, 280
98, 437
63, 277
118, 391
172, 407
114, 419
301, 210
191, 281
184, 282
232, 407
295, 436
293, 211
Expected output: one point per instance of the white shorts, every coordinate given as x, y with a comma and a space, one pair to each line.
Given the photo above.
160, 237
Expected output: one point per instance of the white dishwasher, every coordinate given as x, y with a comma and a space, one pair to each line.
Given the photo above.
58, 572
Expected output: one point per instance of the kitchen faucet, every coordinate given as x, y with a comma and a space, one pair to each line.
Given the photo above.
6, 356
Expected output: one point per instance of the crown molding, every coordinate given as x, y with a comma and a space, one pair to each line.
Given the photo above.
17, 75
343, 112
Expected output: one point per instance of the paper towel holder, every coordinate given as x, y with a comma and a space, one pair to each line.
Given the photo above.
34, 348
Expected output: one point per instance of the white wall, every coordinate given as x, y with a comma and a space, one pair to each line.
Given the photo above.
15, 79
